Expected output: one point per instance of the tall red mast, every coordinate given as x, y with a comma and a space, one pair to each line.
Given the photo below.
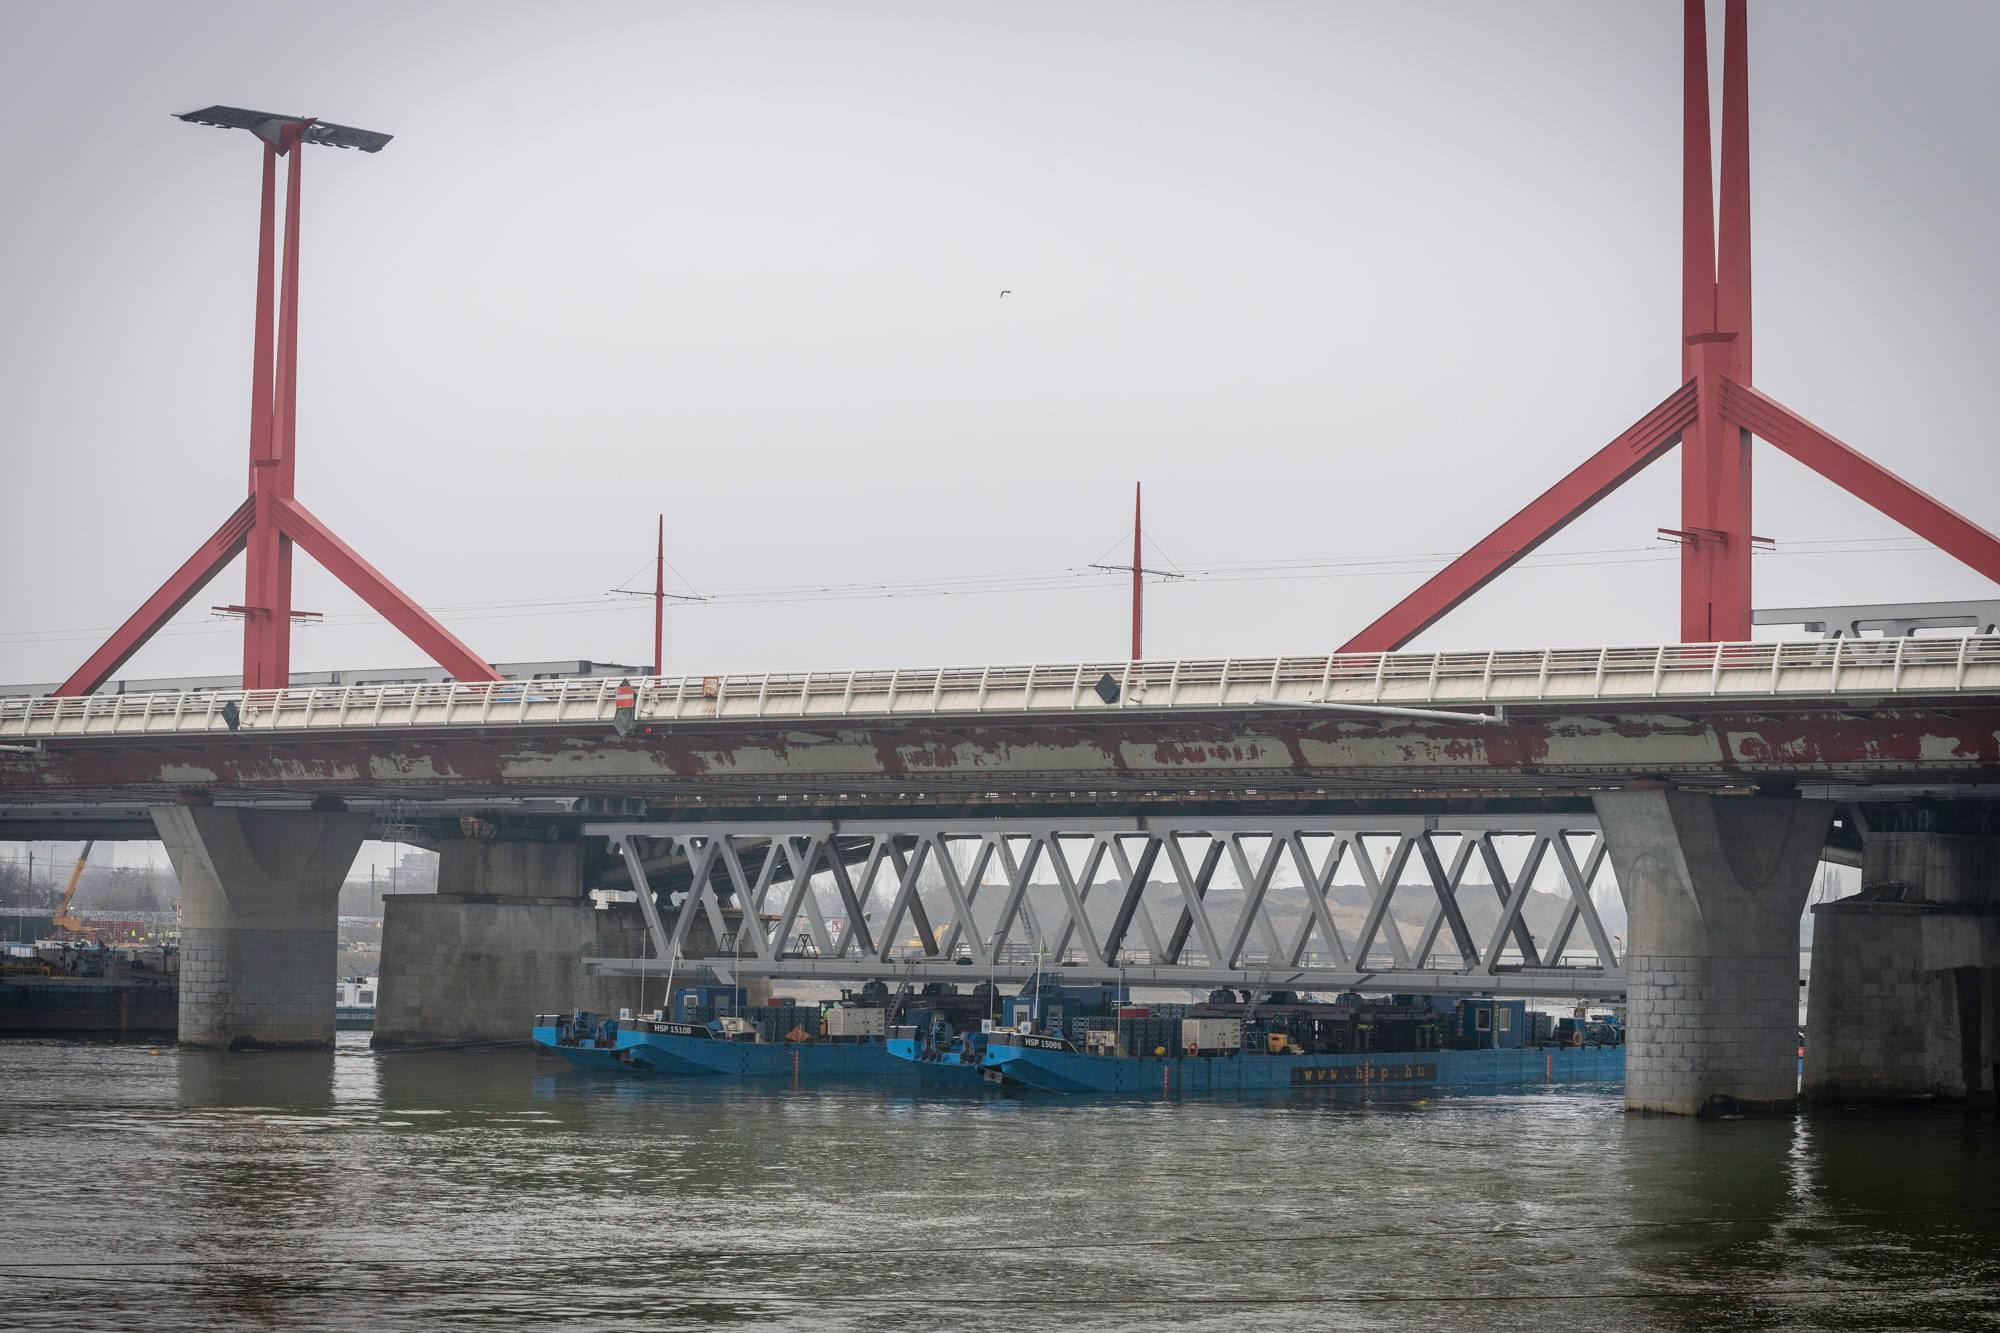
1712, 415
1138, 583
271, 520
660, 600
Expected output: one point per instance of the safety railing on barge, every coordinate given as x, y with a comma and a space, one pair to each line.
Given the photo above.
1824, 668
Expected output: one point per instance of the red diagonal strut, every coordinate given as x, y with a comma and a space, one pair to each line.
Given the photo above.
162, 606
1597, 477
368, 583
1862, 477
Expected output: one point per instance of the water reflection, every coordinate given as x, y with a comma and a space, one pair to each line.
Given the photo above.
495, 1189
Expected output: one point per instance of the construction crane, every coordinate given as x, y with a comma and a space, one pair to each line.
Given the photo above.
66, 919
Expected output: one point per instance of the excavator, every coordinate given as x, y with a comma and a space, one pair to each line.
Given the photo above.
66, 919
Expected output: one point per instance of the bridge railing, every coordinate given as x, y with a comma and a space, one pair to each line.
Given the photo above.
1815, 667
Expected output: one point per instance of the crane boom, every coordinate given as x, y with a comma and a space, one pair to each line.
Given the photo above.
64, 919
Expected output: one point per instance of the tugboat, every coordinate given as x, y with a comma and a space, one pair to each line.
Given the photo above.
589, 1041
941, 1057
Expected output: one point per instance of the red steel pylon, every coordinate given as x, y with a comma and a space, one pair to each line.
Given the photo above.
271, 520
1712, 416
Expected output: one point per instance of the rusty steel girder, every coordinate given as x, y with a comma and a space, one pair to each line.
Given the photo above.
1244, 756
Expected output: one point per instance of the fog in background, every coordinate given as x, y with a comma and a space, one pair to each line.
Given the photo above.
1339, 282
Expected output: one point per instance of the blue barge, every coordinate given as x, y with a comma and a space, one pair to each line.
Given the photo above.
1053, 1064
694, 1049
651, 1046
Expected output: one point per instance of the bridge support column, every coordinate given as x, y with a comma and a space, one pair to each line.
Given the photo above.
1904, 1003
1714, 887
260, 901
503, 938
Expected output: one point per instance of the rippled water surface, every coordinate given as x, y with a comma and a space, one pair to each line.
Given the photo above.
152, 1188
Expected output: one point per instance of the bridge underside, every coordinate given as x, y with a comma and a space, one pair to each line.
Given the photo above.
1242, 761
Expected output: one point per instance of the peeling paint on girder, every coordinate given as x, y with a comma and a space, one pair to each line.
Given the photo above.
1134, 751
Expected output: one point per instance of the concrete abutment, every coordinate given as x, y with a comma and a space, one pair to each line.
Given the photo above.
1905, 997
260, 901
504, 937
1714, 887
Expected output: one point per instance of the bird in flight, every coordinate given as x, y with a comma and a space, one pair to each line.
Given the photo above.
1008, 292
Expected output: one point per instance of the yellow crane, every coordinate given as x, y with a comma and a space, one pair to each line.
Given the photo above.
66, 920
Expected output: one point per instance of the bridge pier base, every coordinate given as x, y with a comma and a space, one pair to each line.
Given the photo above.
260, 902
503, 938
1904, 1004
1714, 887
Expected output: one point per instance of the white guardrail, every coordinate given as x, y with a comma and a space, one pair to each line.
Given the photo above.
1828, 668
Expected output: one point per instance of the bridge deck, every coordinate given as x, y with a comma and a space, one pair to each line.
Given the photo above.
1827, 669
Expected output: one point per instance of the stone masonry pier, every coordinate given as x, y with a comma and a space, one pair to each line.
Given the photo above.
260, 898
1714, 887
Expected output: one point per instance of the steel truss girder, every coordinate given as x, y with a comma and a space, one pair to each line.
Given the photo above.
927, 876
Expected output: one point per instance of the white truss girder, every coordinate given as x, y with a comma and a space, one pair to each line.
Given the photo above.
1167, 901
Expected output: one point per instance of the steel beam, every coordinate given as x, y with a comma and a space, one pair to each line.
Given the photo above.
372, 587
1563, 983
1551, 512
1862, 477
179, 589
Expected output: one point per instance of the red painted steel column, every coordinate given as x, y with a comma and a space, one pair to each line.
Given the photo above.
260, 564
1732, 265
1138, 583
278, 661
1715, 505
660, 601
1697, 192
1716, 592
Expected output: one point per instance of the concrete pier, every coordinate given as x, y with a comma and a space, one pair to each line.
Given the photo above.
1714, 887
1905, 997
504, 937
260, 897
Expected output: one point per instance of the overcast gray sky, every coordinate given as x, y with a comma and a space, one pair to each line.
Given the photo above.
1338, 281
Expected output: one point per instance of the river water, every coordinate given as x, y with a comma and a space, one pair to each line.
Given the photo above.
151, 1188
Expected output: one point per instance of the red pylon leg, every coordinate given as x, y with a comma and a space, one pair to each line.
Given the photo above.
372, 587
1697, 188
1715, 506
1862, 477
1598, 475
1732, 260
260, 565
179, 589
284, 433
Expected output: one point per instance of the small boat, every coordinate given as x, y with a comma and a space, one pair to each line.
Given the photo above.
942, 1058
588, 1041
354, 1002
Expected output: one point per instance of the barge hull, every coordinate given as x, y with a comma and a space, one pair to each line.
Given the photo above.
1062, 1071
